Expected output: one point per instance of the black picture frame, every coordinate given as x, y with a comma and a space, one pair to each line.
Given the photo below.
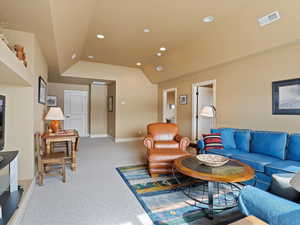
183, 99
42, 96
284, 97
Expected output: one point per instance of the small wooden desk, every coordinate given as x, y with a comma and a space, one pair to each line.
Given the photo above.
69, 136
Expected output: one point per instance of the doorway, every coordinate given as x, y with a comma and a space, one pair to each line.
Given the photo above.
76, 111
204, 94
170, 105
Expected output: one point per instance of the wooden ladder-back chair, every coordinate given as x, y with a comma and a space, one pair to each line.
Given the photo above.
46, 162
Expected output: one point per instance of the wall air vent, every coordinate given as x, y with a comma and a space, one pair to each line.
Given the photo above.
270, 18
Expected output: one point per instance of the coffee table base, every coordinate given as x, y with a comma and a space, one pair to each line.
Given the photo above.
209, 195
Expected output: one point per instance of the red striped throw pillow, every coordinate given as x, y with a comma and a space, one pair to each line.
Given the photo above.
212, 141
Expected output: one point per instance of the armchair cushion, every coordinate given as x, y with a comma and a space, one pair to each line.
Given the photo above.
165, 155
166, 144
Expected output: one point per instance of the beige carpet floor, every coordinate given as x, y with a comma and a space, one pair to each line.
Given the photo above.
95, 194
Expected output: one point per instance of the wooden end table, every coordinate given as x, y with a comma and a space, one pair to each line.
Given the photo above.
67, 136
249, 220
217, 182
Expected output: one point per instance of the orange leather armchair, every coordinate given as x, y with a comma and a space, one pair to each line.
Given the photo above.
164, 145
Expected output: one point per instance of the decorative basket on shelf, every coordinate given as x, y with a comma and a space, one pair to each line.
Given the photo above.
212, 160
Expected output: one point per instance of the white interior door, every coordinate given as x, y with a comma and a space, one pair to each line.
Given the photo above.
76, 111
205, 97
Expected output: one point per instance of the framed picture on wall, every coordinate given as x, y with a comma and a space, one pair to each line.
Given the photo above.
286, 97
52, 101
42, 91
183, 99
110, 104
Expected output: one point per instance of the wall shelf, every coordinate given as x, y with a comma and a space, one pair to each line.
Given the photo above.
12, 70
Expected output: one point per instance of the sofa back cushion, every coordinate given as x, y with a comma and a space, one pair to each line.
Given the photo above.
162, 131
269, 143
227, 135
242, 139
293, 150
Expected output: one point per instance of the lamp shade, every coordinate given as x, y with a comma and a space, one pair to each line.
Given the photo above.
55, 113
295, 182
208, 111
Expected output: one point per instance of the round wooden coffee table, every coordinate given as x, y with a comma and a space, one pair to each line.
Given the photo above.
218, 184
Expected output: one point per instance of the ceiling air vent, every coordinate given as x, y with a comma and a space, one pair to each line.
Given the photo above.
270, 18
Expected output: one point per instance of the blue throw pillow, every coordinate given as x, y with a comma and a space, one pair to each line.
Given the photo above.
242, 140
227, 135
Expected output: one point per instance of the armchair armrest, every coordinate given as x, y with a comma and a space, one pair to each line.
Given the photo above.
149, 142
183, 142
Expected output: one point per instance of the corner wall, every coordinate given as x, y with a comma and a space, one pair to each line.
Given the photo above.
25, 115
244, 91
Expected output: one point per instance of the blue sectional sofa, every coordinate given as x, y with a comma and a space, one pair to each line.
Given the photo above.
267, 152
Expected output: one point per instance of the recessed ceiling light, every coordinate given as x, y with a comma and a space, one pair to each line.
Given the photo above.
158, 54
159, 68
100, 36
208, 19
146, 30
138, 63
74, 56
91, 56
163, 49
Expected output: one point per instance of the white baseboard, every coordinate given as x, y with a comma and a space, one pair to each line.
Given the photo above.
98, 135
118, 140
18, 215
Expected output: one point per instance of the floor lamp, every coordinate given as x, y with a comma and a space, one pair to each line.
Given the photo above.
209, 111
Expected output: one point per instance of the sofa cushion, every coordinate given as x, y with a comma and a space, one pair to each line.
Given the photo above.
242, 139
227, 135
224, 152
257, 161
269, 143
166, 144
282, 166
293, 150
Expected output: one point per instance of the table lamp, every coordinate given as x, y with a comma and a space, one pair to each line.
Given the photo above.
295, 182
55, 115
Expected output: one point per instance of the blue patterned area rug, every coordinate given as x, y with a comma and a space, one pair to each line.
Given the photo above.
164, 201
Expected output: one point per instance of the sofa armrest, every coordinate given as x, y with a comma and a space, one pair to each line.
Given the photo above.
149, 142
268, 207
183, 142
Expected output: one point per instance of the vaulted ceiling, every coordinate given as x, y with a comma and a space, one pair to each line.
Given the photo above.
66, 27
